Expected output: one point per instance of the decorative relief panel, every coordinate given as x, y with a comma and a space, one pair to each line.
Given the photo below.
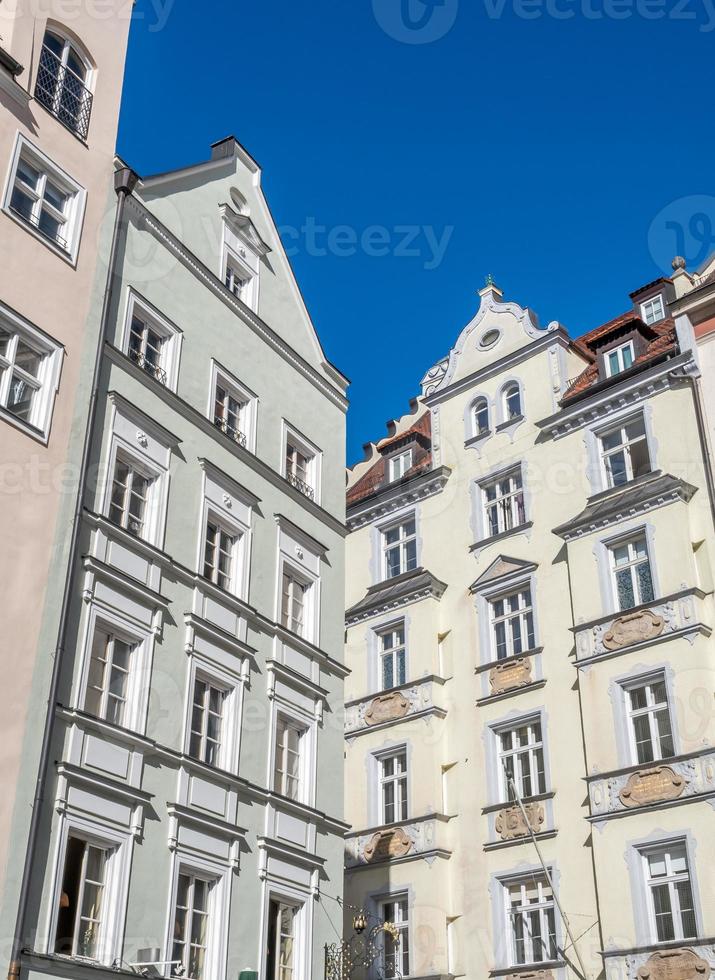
674, 964
387, 707
682, 615
678, 779
652, 786
696, 961
634, 628
414, 838
506, 677
510, 822
392, 706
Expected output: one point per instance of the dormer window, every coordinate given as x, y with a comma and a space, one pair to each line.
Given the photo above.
242, 251
652, 310
620, 359
399, 465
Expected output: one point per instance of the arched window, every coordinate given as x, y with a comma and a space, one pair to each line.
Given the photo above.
511, 397
480, 416
61, 86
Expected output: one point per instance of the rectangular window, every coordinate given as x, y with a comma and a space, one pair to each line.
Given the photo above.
281, 960
392, 656
399, 465
26, 369
504, 504
298, 469
393, 787
220, 550
43, 198
399, 547
82, 899
293, 603
130, 499
236, 280
207, 721
532, 921
624, 452
397, 950
652, 310
108, 681
512, 623
288, 757
632, 576
191, 927
670, 893
229, 413
650, 725
620, 359
521, 759
147, 347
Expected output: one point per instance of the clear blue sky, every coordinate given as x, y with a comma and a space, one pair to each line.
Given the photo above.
545, 149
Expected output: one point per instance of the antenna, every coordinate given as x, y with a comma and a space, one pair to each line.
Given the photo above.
511, 783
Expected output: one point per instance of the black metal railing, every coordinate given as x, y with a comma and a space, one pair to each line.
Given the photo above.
63, 93
157, 372
230, 431
35, 222
305, 488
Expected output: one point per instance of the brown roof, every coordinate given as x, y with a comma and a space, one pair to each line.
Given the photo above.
661, 340
648, 285
374, 478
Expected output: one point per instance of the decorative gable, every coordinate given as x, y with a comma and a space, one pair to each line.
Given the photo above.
500, 570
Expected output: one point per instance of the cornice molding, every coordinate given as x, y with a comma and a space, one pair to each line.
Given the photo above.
394, 497
394, 594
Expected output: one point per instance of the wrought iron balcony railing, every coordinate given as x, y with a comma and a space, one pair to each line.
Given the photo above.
230, 431
63, 93
301, 485
157, 372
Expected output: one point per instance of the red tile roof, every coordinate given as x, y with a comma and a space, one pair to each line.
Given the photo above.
371, 481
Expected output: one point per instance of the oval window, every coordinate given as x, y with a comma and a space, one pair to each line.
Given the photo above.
489, 339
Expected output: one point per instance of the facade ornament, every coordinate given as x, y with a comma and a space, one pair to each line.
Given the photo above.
510, 823
387, 707
142, 438
652, 786
387, 844
637, 627
674, 964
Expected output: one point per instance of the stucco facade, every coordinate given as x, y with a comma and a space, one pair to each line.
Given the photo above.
529, 598
195, 791
61, 69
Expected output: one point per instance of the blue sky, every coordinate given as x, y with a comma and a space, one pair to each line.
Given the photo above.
564, 146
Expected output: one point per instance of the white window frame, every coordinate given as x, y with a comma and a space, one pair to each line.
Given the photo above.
87, 82
211, 672
243, 395
630, 541
299, 556
170, 334
506, 505
652, 707
400, 901
119, 847
671, 878
314, 457
392, 652
508, 391
480, 406
653, 309
238, 266
280, 775
542, 907
298, 575
401, 544
78, 197
219, 902
47, 381
239, 555
137, 464
522, 614
619, 352
399, 465
530, 752
400, 781
302, 934
624, 447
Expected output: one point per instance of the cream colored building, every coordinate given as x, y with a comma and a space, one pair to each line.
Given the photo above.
530, 597
61, 68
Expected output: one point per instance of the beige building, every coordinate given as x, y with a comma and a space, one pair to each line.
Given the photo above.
61, 68
529, 717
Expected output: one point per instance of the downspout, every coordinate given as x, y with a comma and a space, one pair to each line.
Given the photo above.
124, 183
704, 439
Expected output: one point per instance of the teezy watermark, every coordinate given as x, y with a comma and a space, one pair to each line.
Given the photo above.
415, 21
376, 241
685, 227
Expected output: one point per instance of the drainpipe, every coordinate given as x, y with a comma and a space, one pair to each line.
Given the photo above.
125, 181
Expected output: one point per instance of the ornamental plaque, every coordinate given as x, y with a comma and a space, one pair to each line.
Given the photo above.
531, 975
387, 844
674, 964
652, 786
505, 677
387, 707
634, 628
510, 822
